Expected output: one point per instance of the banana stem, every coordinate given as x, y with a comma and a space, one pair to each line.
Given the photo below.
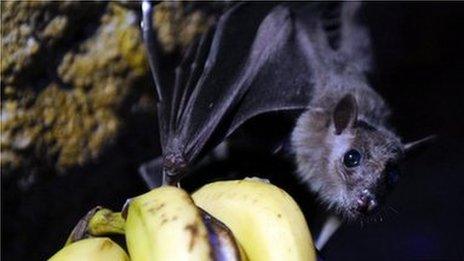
106, 222
97, 222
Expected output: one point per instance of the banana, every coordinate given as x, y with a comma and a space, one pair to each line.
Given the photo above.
164, 224
91, 249
167, 224
101, 221
265, 219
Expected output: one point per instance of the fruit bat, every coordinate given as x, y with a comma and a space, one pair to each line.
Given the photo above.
311, 58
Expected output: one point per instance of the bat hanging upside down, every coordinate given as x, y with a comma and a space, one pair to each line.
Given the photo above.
262, 57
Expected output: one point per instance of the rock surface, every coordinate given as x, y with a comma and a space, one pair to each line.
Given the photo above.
71, 73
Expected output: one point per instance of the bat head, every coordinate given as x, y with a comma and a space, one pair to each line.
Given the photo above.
350, 163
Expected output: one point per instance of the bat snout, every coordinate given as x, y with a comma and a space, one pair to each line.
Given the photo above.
366, 203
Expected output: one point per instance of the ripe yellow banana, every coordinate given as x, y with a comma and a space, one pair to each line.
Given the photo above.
265, 219
101, 222
92, 249
164, 224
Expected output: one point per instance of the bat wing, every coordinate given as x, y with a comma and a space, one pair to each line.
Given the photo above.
235, 55
317, 36
258, 58
255, 65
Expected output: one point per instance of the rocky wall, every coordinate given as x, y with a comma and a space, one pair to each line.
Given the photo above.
72, 72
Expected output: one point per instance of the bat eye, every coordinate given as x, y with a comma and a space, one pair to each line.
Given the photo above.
352, 158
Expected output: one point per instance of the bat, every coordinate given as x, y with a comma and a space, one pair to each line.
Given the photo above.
271, 57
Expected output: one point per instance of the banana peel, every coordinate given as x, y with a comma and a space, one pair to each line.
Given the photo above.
264, 218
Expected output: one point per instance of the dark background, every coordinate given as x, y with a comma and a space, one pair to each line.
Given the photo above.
420, 72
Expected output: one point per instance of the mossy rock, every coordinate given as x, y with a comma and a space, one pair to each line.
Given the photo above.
70, 72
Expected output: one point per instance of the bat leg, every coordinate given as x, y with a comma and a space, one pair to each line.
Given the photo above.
221, 152
152, 172
328, 229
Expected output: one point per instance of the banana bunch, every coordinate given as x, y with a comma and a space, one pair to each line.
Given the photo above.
248, 219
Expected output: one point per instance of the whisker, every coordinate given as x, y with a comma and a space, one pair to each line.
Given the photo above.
394, 210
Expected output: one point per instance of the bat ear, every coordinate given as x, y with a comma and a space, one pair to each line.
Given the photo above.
410, 146
345, 113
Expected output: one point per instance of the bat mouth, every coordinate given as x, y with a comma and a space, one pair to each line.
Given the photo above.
357, 213
353, 215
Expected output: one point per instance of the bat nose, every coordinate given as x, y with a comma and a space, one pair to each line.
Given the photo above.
366, 203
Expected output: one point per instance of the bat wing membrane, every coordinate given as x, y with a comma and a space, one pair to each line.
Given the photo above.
258, 58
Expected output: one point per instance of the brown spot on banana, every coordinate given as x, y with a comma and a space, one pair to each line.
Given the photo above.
193, 229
